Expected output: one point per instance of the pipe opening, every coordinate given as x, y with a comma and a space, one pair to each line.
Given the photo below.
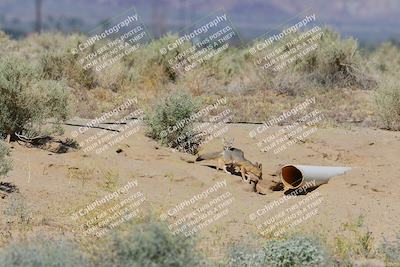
292, 176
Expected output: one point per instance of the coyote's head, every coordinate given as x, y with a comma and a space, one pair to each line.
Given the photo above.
227, 144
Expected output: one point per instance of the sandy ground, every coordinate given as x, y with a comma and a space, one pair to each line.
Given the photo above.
166, 179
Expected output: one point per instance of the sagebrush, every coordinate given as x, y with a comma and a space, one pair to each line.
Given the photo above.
387, 100
26, 101
40, 251
172, 122
295, 251
152, 245
288, 252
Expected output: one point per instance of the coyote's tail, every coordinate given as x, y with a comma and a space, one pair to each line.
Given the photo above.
214, 155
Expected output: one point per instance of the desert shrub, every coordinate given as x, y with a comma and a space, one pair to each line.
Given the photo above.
336, 62
241, 255
385, 59
17, 211
56, 65
172, 122
40, 252
354, 241
3, 37
387, 103
150, 59
7, 46
151, 245
52, 66
226, 65
5, 163
114, 77
291, 84
391, 251
26, 101
295, 251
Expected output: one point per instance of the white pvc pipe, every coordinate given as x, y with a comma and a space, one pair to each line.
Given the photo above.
294, 176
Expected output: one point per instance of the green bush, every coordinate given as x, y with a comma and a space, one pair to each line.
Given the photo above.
40, 252
295, 251
241, 255
26, 102
5, 163
290, 252
172, 122
387, 103
151, 245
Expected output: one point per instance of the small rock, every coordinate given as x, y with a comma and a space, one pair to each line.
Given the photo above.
119, 150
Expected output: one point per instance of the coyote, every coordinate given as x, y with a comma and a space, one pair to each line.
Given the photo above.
235, 157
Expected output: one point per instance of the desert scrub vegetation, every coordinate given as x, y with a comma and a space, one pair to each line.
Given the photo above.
5, 162
55, 65
43, 251
336, 63
151, 244
172, 122
387, 103
295, 251
242, 255
391, 251
385, 59
287, 252
27, 102
111, 179
355, 241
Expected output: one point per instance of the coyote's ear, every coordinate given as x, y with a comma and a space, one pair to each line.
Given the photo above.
233, 140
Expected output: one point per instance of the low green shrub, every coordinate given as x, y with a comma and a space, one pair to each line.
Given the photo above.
241, 255
42, 251
295, 251
26, 101
151, 245
290, 252
172, 122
